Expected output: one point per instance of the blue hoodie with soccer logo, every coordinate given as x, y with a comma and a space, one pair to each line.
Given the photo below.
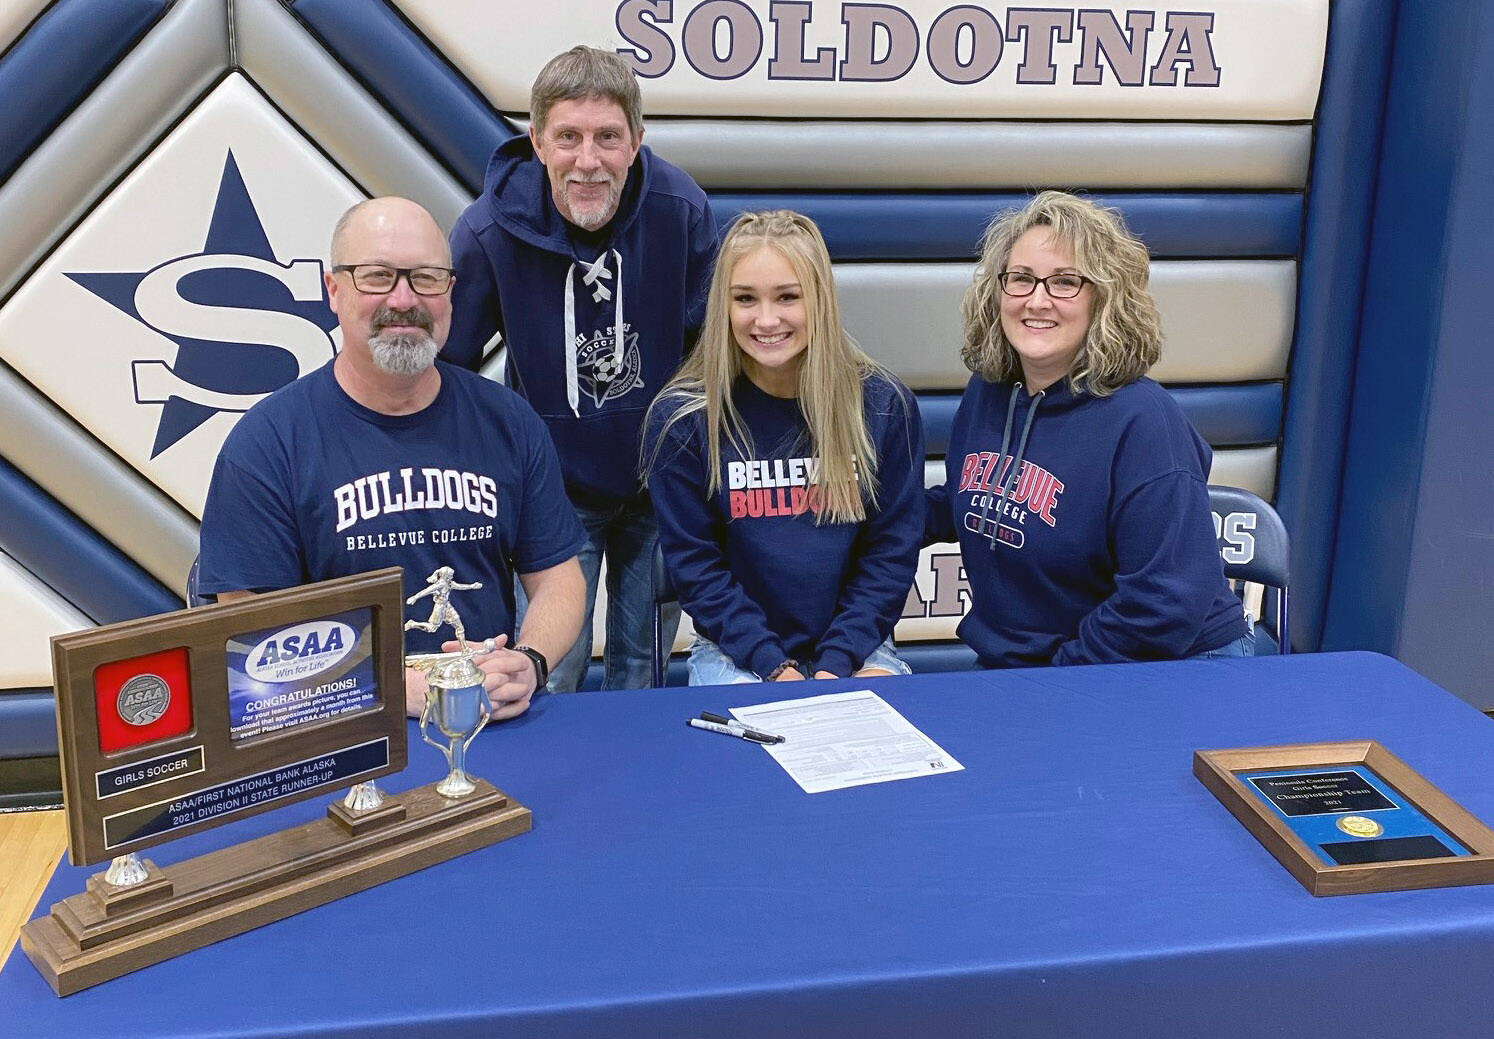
595, 322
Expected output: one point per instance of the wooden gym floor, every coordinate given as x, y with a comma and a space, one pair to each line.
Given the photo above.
30, 845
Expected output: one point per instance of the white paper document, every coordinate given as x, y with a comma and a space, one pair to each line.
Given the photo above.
845, 739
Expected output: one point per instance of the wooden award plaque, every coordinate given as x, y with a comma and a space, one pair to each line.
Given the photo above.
173, 724
1349, 818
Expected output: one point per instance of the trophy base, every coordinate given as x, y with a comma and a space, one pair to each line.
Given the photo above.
100, 934
458, 784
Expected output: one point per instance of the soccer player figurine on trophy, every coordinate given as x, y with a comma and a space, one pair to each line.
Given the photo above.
160, 722
455, 701
439, 587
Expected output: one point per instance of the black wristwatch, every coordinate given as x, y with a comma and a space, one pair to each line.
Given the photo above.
541, 665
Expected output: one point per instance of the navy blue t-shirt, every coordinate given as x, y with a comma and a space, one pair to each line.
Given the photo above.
311, 485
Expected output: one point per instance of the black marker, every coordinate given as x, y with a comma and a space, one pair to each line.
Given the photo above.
727, 730
757, 734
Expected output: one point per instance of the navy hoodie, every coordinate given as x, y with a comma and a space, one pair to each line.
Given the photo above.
756, 573
516, 261
1103, 548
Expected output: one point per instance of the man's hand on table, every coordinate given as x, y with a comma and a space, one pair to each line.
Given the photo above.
508, 678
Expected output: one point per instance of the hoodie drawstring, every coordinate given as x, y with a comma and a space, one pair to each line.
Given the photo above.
595, 274
1009, 475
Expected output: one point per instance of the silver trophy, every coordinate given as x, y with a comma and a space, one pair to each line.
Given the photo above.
455, 701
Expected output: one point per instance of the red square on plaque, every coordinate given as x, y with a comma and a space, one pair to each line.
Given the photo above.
142, 699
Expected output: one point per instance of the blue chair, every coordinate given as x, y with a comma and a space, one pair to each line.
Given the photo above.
193, 596
1254, 546
664, 594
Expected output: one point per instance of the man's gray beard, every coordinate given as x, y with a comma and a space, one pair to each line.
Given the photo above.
403, 353
590, 220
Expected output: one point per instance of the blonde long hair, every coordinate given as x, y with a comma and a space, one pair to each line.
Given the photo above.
830, 379
1124, 338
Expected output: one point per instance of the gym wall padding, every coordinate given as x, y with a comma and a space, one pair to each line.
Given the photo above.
1262, 197
1413, 557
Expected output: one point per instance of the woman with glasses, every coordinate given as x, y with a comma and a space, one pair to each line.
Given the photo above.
786, 469
1074, 484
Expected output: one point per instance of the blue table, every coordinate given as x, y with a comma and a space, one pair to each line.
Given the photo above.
1074, 880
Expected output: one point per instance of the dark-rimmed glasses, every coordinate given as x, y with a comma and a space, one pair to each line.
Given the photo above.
375, 279
1058, 286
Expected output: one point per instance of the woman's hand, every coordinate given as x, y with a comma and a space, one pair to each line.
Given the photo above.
789, 674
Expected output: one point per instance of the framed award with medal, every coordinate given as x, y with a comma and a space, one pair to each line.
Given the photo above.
173, 724
1348, 818
169, 724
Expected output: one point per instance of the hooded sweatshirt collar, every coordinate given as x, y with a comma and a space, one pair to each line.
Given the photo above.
1016, 431
518, 192
518, 195
1057, 397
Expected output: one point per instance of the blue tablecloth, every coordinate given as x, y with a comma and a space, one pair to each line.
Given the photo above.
1074, 880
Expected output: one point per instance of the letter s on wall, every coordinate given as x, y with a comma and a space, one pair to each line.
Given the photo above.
638, 22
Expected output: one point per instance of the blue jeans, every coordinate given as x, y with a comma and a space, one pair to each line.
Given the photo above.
709, 664
627, 535
1244, 646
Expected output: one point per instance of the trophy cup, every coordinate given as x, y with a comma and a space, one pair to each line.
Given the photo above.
145, 761
455, 701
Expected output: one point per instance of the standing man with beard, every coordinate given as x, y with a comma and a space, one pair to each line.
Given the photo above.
387, 457
588, 257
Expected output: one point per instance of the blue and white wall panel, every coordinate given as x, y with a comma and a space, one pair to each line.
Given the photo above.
166, 214
15, 16
166, 239
903, 128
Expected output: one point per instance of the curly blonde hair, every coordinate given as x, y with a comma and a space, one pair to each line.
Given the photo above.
1124, 338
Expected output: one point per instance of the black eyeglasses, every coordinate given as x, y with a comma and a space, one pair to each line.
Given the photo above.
377, 278
1058, 286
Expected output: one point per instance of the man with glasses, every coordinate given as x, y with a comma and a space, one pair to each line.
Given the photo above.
588, 257
387, 457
